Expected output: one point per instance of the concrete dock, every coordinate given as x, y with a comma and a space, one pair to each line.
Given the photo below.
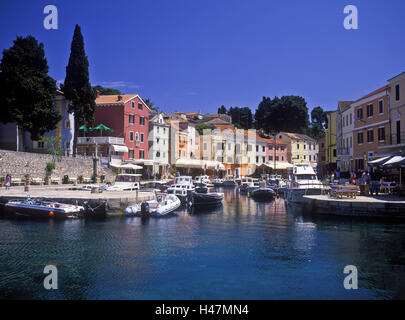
116, 201
383, 206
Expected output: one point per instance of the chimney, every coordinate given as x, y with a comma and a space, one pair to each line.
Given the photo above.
119, 98
97, 93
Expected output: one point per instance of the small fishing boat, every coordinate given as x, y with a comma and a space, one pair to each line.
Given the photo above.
206, 200
201, 188
263, 194
38, 208
230, 182
218, 182
204, 179
182, 188
125, 182
162, 205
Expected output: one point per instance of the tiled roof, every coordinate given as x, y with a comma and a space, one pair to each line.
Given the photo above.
374, 92
113, 99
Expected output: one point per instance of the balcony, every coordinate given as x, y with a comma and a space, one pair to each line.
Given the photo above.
100, 140
392, 141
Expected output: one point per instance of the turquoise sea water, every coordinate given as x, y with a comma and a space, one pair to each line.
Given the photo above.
244, 250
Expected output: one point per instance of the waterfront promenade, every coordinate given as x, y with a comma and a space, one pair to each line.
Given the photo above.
116, 201
383, 206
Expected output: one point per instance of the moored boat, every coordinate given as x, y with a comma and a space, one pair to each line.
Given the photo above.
182, 188
263, 194
162, 205
206, 200
303, 181
218, 182
40, 208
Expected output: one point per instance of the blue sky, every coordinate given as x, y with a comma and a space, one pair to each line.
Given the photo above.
197, 55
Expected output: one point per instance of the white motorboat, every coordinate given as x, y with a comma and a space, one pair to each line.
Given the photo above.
125, 182
230, 182
303, 181
183, 187
162, 205
204, 179
218, 182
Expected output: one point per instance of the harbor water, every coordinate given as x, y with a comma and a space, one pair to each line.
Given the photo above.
243, 250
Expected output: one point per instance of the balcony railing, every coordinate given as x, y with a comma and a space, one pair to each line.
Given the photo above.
392, 140
100, 140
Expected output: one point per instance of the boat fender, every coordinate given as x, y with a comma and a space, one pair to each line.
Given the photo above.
51, 213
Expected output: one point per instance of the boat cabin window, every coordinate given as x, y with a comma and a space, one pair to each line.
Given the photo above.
126, 178
305, 177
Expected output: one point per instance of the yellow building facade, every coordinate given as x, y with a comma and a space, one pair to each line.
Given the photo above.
330, 138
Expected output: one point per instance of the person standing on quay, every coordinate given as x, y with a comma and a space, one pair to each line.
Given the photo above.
8, 182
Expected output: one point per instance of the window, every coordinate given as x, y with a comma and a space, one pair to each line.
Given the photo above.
381, 106
205, 146
305, 146
370, 135
67, 124
351, 142
257, 159
270, 158
347, 119
398, 131
141, 137
360, 137
276, 158
229, 146
282, 148
370, 110
397, 92
131, 136
282, 158
359, 113
141, 154
257, 150
309, 157
142, 121
270, 147
179, 153
381, 134
249, 147
133, 104
157, 154
131, 118
40, 144
157, 129
264, 159
276, 147
131, 153
350, 118
140, 106
298, 145
136, 136
157, 140
304, 157
334, 152
263, 148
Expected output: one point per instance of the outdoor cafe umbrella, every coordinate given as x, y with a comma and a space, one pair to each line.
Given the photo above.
84, 128
396, 162
102, 128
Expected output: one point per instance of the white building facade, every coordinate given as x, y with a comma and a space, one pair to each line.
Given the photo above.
159, 132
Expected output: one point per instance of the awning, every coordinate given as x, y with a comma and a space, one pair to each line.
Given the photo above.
145, 162
213, 165
282, 165
394, 161
189, 163
379, 161
118, 148
126, 166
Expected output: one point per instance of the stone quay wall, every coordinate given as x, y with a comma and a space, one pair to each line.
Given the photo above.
17, 164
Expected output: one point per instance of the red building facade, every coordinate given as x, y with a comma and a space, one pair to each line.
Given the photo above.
128, 116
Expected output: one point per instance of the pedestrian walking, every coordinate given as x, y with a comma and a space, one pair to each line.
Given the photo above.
8, 182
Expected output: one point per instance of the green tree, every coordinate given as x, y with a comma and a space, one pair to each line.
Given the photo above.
288, 113
201, 126
151, 104
106, 91
242, 118
77, 86
27, 91
222, 110
52, 146
318, 123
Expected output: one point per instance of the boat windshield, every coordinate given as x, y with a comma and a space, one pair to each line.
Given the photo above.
305, 177
120, 178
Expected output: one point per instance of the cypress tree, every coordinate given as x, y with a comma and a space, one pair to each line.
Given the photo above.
77, 86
